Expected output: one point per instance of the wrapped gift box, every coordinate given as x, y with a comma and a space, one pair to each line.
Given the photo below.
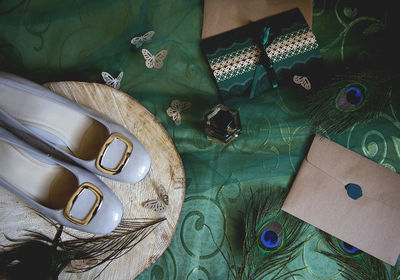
250, 60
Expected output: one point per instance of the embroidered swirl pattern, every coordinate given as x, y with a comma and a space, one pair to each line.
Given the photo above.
77, 42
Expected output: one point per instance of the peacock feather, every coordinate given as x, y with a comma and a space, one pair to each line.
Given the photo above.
270, 238
350, 98
354, 264
33, 257
36, 256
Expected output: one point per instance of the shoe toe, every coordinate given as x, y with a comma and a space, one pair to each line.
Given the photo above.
94, 209
108, 215
124, 159
138, 164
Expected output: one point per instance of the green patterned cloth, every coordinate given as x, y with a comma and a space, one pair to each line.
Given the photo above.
48, 40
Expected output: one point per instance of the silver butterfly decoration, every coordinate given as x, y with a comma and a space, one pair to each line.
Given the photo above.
111, 81
160, 204
303, 81
155, 61
138, 41
176, 108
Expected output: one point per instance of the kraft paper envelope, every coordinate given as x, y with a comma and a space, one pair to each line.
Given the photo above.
319, 197
224, 15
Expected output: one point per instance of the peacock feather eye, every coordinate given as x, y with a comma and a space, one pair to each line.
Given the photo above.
350, 249
351, 98
270, 236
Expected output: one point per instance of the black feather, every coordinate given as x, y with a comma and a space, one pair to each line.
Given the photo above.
33, 257
36, 256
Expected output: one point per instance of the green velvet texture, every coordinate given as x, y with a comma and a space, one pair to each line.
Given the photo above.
48, 40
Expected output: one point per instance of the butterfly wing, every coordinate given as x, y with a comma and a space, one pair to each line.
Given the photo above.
175, 104
303, 81
155, 205
306, 84
120, 75
176, 107
184, 105
110, 81
297, 79
148, 35
175, 115
117, 81
107, 78
162, 193
137, 41
159, 57
149, 58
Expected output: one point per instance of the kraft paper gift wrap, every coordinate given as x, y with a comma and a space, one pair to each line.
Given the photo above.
319, 197
252, 59
224, 15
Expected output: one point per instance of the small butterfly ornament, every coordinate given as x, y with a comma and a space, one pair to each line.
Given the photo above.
138, 41
112, 82
160, 204
303, 81
155, 61
176, 108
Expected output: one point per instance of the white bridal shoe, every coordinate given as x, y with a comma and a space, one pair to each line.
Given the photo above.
83, 136
70, 195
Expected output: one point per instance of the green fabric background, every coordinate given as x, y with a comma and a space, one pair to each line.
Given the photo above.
48, 40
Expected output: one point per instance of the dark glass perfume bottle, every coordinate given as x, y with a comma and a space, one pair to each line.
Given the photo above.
222, 124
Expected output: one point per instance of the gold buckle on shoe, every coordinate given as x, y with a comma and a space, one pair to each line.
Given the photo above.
92, 212
127, 153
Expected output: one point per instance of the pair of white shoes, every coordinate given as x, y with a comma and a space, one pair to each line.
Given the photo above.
50, 149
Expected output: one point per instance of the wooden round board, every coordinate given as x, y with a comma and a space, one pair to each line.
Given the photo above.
166, 170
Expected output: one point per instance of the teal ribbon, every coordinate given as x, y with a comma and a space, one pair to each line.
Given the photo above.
266, 36
256, 76
265, 63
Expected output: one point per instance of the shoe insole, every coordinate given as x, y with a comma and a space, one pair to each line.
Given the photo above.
83, 135
48, 184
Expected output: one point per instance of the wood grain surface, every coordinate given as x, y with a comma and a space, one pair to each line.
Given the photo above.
166, 169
